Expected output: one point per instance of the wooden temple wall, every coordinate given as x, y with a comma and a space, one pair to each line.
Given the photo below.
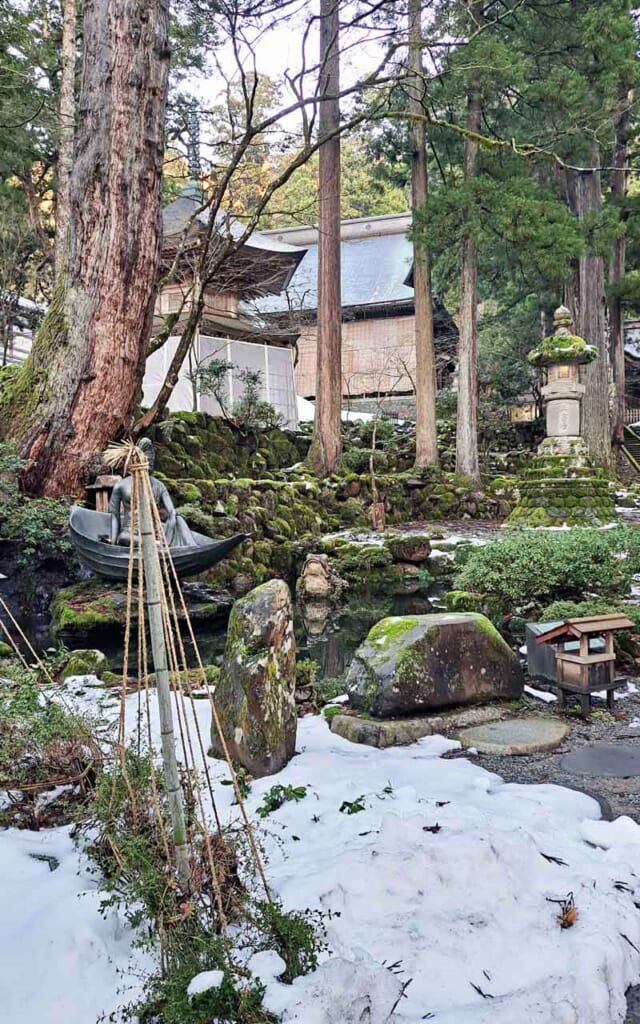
378, 357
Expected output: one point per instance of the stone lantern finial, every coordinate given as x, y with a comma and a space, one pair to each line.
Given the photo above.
562, 320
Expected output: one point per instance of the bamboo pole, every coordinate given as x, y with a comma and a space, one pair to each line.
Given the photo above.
153, 581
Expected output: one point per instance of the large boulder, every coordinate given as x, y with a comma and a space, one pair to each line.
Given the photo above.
255, 697
417, 663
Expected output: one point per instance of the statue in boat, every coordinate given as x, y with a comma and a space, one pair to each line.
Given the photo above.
176, 530
102, 539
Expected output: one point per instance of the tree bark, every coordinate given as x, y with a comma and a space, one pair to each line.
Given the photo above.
326, 445
425, 382
467, 461
78, 389
586, 300
66, 126
621, 116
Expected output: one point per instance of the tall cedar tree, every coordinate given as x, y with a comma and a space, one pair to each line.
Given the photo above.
425, 376
326, 445
66, 126
79, 386
467, 461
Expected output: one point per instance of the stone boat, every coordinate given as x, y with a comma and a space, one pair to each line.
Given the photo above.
88, 531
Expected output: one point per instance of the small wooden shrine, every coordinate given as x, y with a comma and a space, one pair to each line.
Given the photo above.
592, 666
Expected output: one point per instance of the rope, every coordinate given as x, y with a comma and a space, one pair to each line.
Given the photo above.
203, 676
16, 625
177, 676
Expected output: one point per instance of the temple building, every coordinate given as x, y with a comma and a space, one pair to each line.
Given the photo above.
378, 316
228, 329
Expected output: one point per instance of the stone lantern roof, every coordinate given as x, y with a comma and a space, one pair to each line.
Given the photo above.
562, 346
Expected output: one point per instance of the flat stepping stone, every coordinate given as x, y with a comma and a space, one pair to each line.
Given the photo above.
399, 732
620, 761
515, 736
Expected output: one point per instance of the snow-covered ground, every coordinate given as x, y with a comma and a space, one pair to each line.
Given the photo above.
444, 877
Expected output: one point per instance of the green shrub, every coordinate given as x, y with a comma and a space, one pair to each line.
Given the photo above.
580, 609
328, 688
538, 568
306, 672
277, 796
39, 738
332, 710
127, 845
39, 524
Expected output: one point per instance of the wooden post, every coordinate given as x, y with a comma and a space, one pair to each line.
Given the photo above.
154, 588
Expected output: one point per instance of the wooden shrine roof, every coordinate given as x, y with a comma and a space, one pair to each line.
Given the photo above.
590, 625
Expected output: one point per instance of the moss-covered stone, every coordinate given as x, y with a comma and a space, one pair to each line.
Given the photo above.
86, 662
85, 607
255, 694
563, 490
463, 601
417, 663
410, 547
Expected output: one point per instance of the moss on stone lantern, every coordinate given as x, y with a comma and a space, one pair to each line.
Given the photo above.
561, 487
562, 347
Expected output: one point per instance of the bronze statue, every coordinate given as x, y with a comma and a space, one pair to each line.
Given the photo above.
176, 530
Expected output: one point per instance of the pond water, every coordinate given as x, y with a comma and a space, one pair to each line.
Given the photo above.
329, 636
330, 642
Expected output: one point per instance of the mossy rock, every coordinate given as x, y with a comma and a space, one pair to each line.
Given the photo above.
86, 607
358, 558
411, 664
255, 695
85, 662
6, 651
410, 547
463, 601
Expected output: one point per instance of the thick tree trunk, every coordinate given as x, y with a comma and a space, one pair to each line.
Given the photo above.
425, 381
78, 389
621, 116
467, 461
326, 446
66, 126
587, 302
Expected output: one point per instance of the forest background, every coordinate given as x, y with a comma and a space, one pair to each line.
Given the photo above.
529, 113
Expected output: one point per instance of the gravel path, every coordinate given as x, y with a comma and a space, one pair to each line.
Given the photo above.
617, 796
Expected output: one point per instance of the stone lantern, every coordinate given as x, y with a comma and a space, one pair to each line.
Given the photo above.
562, 353
560, 486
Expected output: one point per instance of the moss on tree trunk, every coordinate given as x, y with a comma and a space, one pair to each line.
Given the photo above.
79, 386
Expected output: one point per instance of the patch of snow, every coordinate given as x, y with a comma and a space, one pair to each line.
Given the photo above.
204, 981
628, 691
53, 931
86, 680
609, 835
454, 909
634, 723
342, 991
266, 966
441, 553
307, 412
548, 698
